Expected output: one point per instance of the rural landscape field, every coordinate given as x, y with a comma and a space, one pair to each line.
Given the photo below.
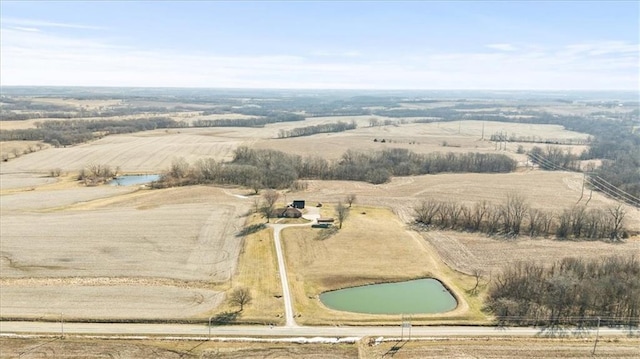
76, 246
311, 179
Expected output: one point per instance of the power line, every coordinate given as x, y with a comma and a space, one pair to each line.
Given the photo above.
613, 191
595, 181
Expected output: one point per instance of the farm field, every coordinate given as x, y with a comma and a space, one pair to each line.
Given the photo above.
150, 245
153, 151
175, 253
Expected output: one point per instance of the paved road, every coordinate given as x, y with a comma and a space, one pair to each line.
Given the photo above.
202, 331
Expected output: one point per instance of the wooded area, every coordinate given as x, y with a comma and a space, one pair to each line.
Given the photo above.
515, 217
274, 169
571, 291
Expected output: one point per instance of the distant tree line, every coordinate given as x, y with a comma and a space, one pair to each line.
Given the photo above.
497, 137
70, 132
250, 122
274, 169
339, 126
515, 217
572, 291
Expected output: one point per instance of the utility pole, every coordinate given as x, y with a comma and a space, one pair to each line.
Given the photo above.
61, 325
597, 335
584, 176
210, 328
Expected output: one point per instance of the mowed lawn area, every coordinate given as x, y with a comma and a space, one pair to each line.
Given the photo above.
372, 247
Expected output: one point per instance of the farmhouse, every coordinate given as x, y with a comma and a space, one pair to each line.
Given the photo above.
288, 212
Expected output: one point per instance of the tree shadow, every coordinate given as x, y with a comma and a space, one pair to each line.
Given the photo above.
395, 348
225, 318
251, 229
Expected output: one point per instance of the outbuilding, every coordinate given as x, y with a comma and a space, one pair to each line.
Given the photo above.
299, 204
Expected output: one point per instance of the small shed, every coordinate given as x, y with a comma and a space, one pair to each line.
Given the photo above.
325, 220
298, 204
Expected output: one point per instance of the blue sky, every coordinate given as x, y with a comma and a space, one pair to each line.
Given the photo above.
341, 45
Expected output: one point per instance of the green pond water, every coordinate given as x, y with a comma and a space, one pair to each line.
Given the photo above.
410, 297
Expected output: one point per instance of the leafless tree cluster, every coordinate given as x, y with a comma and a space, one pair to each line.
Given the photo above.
568, 292
97, 173
515, 217
554, 158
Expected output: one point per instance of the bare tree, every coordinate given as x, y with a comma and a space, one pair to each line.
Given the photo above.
342, 212
616, 221
55, 172
513, 212
240, 297
270, 197
426, 211
351, 198
256, 185
477, 274
179, 168
578, 218
479, 212
535, 222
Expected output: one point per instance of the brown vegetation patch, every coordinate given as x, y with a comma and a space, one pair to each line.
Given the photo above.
122, 348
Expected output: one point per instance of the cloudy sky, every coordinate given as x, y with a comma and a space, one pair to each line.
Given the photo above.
338, 45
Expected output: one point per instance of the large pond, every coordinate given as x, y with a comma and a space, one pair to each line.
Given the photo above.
410, 297
128, 180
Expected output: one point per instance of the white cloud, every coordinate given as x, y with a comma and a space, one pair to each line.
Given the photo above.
40, 58
502, 47
41, 23
322, 53
28, 29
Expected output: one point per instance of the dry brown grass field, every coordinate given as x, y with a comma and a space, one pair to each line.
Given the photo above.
175, 252
539, 348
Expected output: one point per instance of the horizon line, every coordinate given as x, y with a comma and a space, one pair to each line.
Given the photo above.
316, 89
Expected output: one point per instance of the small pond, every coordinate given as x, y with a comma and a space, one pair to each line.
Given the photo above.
129, 180
411, 297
